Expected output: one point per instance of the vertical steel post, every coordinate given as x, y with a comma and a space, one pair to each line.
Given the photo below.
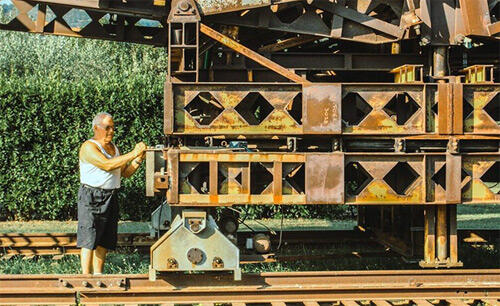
429, 232
452, 212
439, 62
442, 233
439, 70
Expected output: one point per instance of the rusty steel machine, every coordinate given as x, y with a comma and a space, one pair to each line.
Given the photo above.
391, 106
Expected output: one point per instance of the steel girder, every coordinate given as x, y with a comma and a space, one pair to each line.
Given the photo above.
367, 21
425, 109
225, 178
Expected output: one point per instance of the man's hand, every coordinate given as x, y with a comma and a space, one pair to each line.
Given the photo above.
139, 149
130, 169
140, 158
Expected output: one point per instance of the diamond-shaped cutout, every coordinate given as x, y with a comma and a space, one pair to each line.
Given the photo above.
434, 108
440, 177
356, 177
261, 178
401, 108
254, 108
8, 12
401, 177
294, 108
204, 108
33, 13
222, 183
491, 178
199, 178
148, 23
467, 110
49, 15
106, 19
464, 174
238, 178
493, 108
354, 109
296, 178
77, 18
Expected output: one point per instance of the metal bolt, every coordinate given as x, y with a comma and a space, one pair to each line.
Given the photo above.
262, 243
195, 227
195, 256
184, 6
64, 283
217, 263
172, 263
425, 41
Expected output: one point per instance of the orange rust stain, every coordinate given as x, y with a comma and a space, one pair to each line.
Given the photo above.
214, 199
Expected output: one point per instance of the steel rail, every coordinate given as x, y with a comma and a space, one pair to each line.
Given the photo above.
344, 286
65, 243
30, 244
60, 244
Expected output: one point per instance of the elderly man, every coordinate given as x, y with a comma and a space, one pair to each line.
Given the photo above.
101, 169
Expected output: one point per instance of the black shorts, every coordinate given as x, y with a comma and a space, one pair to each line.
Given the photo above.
97, 218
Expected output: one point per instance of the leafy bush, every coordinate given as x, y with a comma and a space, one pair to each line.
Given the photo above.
50, 89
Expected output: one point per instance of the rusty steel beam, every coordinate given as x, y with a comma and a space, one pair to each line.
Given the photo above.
322, 178
354, 27
343, 61
367, 21
475, 19
251, 54
433, 110
287, 43
221, 7
100, 25
344, 286
349, 22
144, 8
95, 4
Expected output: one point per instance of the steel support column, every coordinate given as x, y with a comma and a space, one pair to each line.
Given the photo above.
440, 237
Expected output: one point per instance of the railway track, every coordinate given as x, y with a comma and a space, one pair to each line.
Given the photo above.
59, 244
454, 287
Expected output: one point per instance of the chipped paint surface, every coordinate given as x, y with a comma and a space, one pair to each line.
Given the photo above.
475, 190
208, 7
480, 121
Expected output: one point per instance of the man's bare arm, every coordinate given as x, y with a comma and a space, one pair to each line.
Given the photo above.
129, 169
90, 153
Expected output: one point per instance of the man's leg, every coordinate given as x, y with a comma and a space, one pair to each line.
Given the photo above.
99, 259
86, 256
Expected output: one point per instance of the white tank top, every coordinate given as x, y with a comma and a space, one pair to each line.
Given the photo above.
96, 177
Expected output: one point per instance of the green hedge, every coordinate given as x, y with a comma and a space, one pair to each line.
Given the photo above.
50, 89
